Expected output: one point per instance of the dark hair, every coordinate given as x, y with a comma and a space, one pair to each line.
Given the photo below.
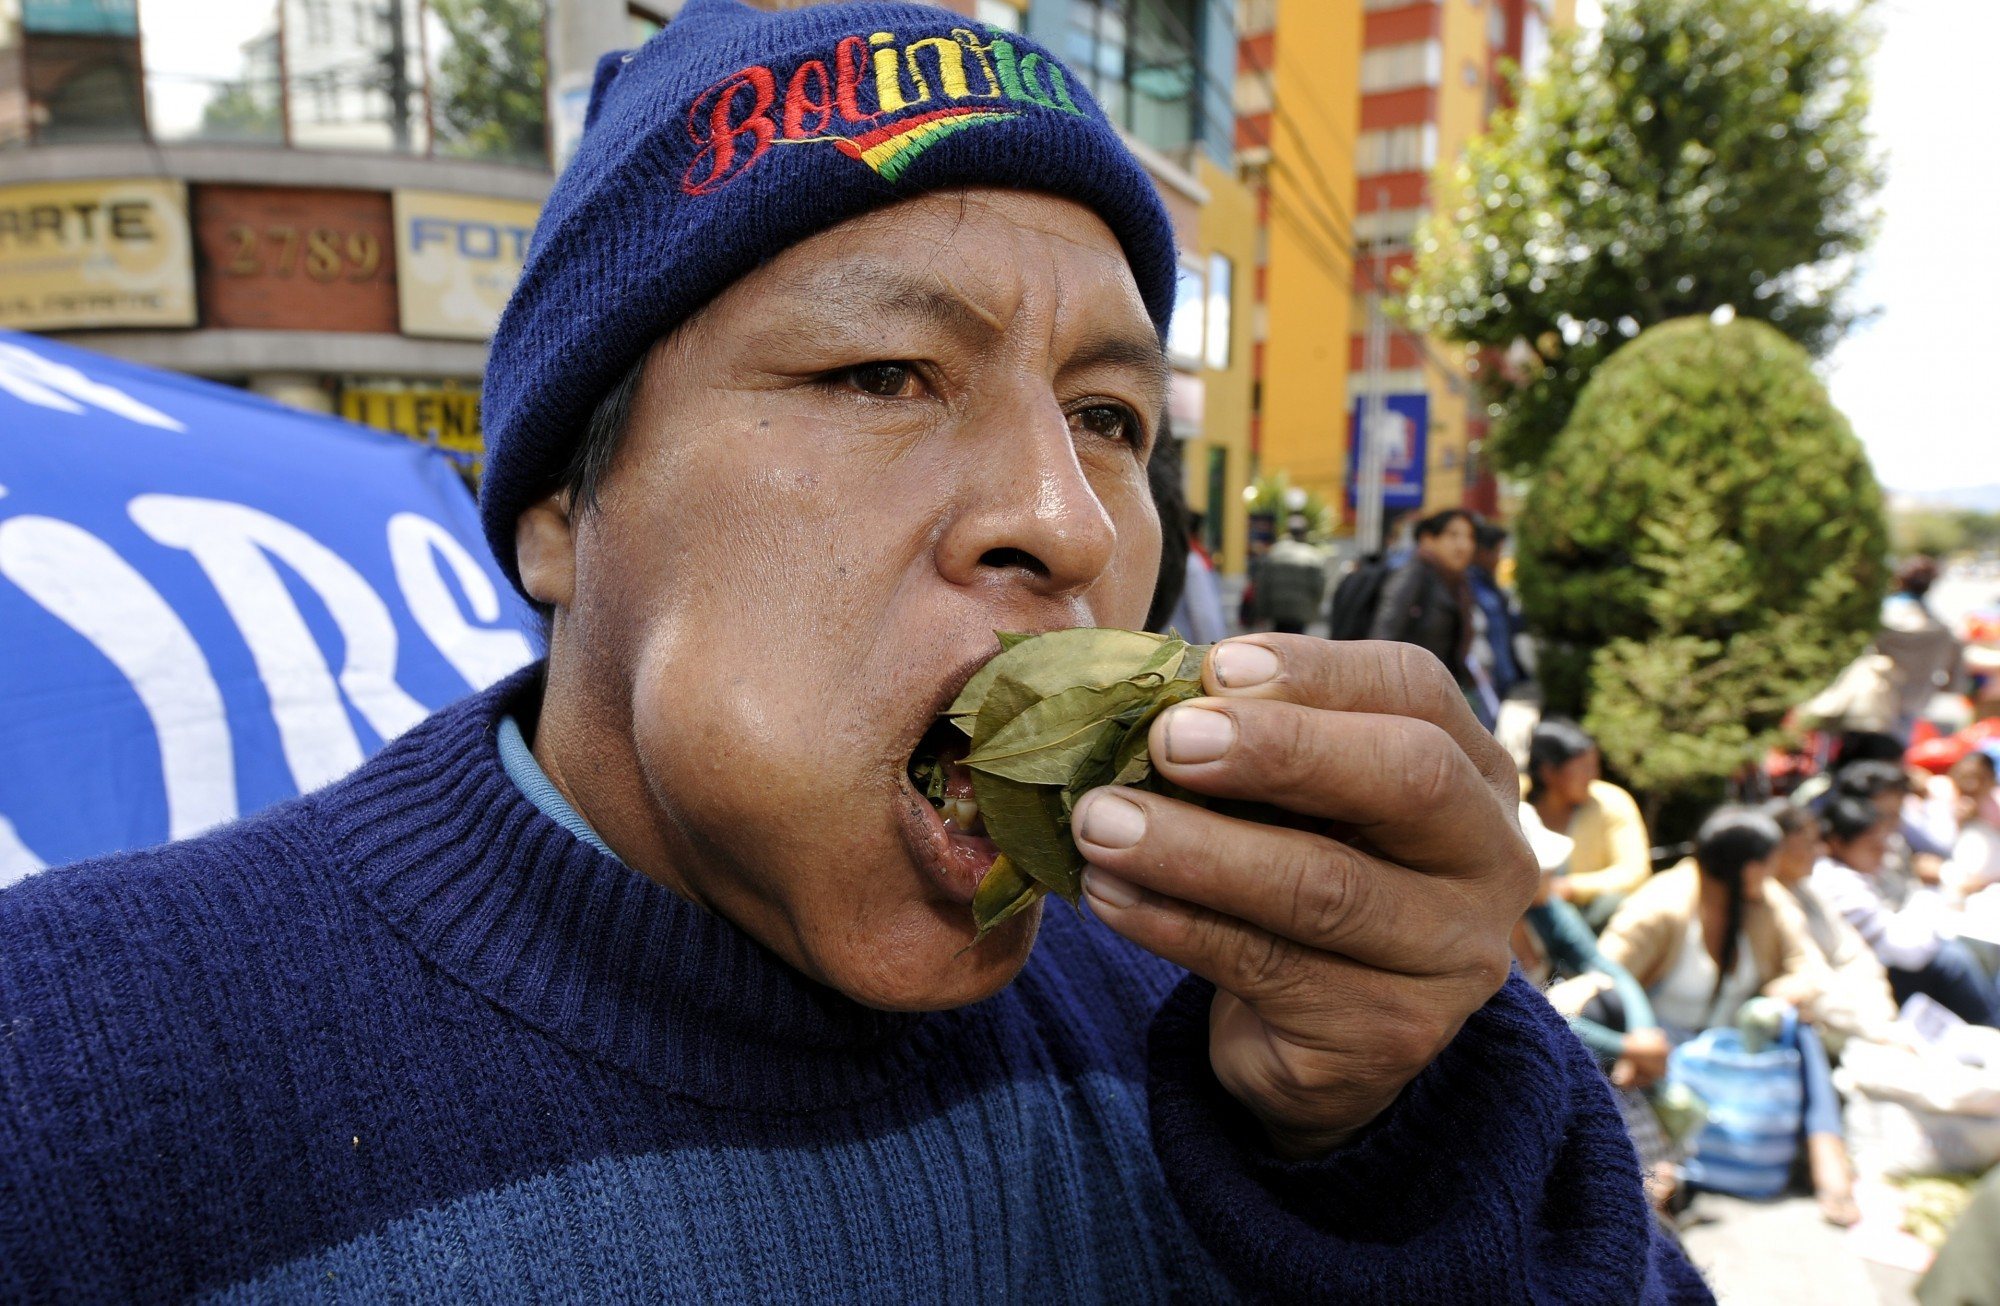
1436, 524
1848, 817
1163, 478
1867, 779
1487, 535
1556, 742
1917, 575
1790, 817
1728, 842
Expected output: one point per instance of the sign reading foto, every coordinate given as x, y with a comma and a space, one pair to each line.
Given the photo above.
458, 257
79, 254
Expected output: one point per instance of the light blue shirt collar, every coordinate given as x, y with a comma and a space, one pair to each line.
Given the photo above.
534, 783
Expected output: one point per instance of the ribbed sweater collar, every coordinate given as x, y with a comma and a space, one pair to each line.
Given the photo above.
608, 962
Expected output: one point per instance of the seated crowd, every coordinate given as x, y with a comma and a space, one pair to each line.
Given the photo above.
1833, 908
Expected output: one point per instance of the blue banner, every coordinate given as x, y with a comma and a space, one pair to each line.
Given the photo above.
209, 602
1409, 430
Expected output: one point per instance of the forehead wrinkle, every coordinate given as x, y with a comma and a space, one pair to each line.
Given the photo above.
863, 293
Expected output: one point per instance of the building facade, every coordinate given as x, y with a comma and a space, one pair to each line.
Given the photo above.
324, 201
1349, 112
1432, 74
328, 201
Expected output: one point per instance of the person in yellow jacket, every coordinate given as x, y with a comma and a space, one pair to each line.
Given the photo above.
1565, 785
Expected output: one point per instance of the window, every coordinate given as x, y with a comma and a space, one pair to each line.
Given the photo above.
1000, 14
1221, 278
216, 80
1139, 59
1400, 67
1394, 227
1396, 149
487, 78
1184, 327
81, 64
464, 78
1534, 43
355, 76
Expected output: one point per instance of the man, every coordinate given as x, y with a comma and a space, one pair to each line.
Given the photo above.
1496, 605
649, 974
1427, 601
1292, 580
1923, 652
1905, 925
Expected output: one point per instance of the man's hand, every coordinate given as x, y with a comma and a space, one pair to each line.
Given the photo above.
1928, 868
1344, 966
1642, 1060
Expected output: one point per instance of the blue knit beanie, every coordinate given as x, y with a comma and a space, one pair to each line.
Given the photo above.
734, 134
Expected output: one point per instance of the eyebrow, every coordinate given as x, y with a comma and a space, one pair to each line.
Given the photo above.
1145, 356
874, 289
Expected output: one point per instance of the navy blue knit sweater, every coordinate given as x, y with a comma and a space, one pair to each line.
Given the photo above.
408, 1037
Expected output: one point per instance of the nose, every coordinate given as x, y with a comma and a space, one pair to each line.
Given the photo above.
1031, 516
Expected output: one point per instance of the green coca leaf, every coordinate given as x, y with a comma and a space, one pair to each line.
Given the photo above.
1132, 763
1048, 742
1004, 892
1058, 660
1027, 823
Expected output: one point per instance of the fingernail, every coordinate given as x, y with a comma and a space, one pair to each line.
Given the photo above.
1111, 822
1109, 889
1196, 734
1238, 666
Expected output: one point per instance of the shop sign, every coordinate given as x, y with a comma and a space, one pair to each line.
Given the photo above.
444, 416
82, 17
296, 258
77, 254
459, 257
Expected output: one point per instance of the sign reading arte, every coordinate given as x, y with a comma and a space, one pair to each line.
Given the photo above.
95, 254
458, 257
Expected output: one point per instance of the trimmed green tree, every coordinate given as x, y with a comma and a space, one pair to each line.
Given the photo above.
1705, 547
1695, 153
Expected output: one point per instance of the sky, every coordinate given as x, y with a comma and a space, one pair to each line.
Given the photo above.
1919, 381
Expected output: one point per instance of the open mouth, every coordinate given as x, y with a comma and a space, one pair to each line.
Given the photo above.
959, 853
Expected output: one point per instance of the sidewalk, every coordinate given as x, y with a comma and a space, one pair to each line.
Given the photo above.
1782, 1254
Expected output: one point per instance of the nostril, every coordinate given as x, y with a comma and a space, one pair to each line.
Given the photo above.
1008, 559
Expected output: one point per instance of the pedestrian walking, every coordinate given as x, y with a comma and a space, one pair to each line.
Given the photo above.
1291, 582
1428, 600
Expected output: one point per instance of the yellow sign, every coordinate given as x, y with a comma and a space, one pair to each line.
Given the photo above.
447, 418
95, 254
457, 259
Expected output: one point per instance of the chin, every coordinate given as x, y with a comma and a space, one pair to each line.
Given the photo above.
923, 957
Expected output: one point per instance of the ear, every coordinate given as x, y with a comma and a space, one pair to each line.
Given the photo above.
545, 550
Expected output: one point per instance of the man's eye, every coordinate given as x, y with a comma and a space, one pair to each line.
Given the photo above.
1109, 422
886, 380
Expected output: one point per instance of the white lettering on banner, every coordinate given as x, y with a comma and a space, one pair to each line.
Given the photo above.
17, 861
231, 542
96, 593
46, 383
481, 656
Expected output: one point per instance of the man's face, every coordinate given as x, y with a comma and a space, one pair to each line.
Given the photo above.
913, 430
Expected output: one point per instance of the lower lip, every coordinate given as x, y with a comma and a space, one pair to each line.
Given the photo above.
958, 862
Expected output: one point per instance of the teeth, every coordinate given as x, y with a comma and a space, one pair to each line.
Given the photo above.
964, 812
